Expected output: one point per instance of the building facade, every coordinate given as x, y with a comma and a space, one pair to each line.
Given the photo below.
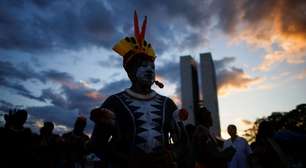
190, 88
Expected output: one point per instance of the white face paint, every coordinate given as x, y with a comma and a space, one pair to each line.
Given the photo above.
146, 73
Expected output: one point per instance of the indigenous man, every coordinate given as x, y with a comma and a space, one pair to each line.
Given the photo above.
136, 127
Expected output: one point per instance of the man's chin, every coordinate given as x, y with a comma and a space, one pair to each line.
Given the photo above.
147, 84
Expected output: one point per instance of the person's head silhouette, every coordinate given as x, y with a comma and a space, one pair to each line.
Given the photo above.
18, 118
204, 117
79, 124
232, 130
47, 128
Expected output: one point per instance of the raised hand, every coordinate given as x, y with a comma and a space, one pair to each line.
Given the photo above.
103, 116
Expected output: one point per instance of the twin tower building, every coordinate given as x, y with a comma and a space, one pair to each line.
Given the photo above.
193, 96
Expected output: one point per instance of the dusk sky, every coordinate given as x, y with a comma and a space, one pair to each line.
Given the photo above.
56, 59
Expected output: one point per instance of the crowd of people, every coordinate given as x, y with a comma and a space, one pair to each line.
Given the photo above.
20, 147
198, 148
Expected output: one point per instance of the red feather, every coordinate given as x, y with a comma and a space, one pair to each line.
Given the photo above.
136, 27
143, 29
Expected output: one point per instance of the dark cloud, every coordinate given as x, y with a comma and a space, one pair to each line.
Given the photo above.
233, 79
290, 14
54, 98
82, 98
4, 103
227, 13
72, 95
22, 91
21, 72
5, 106
286, 13
72, 101
230, 77
94, 80
224, 62
45, 25
113, 61
267, 24
170, 71
57, 76
115, 87
42, 25
11, 77
54, 113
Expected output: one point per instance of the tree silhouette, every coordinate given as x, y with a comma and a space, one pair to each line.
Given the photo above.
293, 120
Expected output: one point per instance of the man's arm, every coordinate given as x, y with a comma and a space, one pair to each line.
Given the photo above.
104, 119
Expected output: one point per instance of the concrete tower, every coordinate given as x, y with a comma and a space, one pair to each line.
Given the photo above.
209, 90
189, 87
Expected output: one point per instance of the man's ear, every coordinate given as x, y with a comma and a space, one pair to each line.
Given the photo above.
6, 117
131, 75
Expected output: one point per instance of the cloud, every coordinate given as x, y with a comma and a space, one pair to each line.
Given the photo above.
113, 61
234, 79
21, 71
277, 26
54, 113
6, 106
39, 25
246, 122
94, 80
223, 63
72, 101
169, 71
71, 95
301, 75
11, 77
229, 78
115, 87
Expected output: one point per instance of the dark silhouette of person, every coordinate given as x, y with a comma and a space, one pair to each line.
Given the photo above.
16, 140
48, 146
208, 153
185, 158
243, 150
266, 151
135, 128
190, 130
74, 141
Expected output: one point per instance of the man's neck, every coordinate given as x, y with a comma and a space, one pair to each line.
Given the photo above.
233, 138
141, 89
